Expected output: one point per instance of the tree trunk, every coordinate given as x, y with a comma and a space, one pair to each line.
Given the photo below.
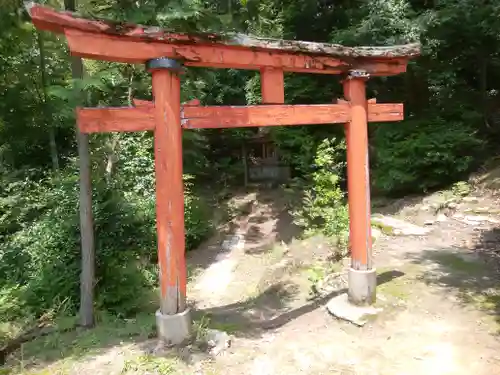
52, 135
86, 220
483, 87
245, 163
115, 137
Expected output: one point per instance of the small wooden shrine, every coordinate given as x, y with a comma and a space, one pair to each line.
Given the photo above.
263, 162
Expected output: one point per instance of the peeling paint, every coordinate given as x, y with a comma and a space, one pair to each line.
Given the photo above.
56, 21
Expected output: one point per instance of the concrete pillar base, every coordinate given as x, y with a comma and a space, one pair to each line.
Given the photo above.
174, 329
362, 286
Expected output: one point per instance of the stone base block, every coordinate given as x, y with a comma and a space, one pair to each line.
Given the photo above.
341, 308
174, 329
362, 286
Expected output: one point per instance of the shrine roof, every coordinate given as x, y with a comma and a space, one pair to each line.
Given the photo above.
46, 18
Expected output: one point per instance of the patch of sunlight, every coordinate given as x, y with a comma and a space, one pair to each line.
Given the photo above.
62, 367
228, 327
205, 323
385, 229
486, 300
397, 288
439, 358
145, 364
403, 285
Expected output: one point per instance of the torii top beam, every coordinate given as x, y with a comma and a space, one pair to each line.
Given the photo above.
128, 43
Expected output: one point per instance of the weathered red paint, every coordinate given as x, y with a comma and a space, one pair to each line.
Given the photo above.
193, 116
358, 174
169, 190
129, 43
272, 84
112, 48
264, 115
145, 103
126, 119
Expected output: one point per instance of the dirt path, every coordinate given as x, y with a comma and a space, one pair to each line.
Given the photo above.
439, 292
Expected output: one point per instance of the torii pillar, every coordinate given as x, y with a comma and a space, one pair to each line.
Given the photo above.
173, 320
362, 275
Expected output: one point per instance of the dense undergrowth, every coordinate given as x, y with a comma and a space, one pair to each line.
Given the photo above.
40, 259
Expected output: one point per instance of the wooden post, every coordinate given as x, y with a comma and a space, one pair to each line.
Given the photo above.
362, 276
169, 185
272, 86
87, 276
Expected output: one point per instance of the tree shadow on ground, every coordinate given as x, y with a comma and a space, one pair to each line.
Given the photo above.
270, 309
258, 242
470, 274
77, 343
226, 218
284, 231
250, 318
388, 206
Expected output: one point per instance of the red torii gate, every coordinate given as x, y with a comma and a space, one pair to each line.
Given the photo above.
164, 54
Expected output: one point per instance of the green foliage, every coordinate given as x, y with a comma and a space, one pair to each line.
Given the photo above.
17, 206
381, 22
196, 216
43, 257
323, 206
11, 306
40, 260
295, 146
423, 155
460, 189
150, 364
135, 176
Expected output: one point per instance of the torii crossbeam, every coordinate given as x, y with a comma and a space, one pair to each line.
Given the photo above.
164, 54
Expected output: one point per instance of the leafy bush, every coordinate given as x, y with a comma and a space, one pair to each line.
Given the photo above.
18, 205
42, 258
295, 145
11, 307
49, 250
197, 218
323, 206
417, 156
135, 173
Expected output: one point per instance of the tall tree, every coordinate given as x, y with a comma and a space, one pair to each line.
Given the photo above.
45, 112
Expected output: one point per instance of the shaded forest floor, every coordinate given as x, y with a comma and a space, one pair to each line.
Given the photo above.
438, 287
